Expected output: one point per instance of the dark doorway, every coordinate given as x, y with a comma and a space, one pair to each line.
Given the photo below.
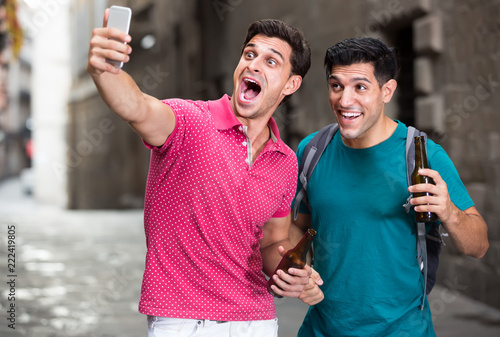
402, 39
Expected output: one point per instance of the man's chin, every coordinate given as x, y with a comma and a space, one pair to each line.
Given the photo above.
348, 132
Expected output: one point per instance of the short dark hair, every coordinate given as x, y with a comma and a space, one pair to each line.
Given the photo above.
364, 50
301, 53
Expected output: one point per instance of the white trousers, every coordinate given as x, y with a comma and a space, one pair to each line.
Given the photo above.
179, 327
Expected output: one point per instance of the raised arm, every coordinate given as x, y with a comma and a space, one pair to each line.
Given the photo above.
153, 120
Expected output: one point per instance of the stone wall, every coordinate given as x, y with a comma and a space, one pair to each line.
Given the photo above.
467, 78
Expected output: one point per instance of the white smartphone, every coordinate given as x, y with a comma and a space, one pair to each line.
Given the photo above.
119, 18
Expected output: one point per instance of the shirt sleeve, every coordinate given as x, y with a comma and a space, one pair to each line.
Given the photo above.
441, 162
177, 108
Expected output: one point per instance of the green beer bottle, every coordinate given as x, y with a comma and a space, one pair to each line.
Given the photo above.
294, 258
420, 163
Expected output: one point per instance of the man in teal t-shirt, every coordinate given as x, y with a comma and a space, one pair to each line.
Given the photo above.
366, 246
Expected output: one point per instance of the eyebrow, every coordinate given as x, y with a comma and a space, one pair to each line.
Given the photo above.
271, 49
355, 79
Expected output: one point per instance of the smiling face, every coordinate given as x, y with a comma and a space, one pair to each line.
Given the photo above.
358, 102
263, 78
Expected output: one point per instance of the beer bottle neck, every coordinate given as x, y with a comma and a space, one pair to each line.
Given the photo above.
305, 242
420, 153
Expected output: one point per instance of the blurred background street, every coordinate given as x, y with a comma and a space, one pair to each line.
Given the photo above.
72, 174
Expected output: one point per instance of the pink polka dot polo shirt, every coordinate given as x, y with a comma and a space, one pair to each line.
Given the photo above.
204, 211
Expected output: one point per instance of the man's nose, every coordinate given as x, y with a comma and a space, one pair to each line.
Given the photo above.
255, 65
346, 98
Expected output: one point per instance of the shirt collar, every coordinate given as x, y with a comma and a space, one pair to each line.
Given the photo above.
223, 114
225, 119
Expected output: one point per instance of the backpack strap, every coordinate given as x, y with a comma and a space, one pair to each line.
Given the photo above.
410, 159
312, 152
421, 233
434, 241
422, 256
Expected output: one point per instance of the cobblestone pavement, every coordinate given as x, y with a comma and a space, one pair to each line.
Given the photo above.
78, 274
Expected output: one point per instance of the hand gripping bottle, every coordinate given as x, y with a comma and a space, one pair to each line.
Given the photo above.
416, 178
294, 258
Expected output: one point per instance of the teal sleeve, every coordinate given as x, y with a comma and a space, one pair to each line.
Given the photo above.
441, 162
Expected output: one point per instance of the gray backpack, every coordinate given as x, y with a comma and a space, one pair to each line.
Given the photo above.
428, 245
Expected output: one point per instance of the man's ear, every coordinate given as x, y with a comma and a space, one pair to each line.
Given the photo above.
388, 90
292, 85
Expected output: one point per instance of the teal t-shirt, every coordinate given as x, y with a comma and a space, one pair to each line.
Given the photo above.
365, 249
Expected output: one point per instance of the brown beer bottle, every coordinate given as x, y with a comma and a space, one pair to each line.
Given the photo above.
294, 258
416, 178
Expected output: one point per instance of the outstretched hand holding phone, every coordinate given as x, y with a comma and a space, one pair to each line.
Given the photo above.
119, 18
109, 47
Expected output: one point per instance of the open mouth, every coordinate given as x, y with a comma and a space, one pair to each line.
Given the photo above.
250, 89
350, 115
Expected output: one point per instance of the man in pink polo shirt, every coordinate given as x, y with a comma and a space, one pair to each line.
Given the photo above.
219, 189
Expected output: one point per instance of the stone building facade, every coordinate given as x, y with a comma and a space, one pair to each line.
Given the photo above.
448, 86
